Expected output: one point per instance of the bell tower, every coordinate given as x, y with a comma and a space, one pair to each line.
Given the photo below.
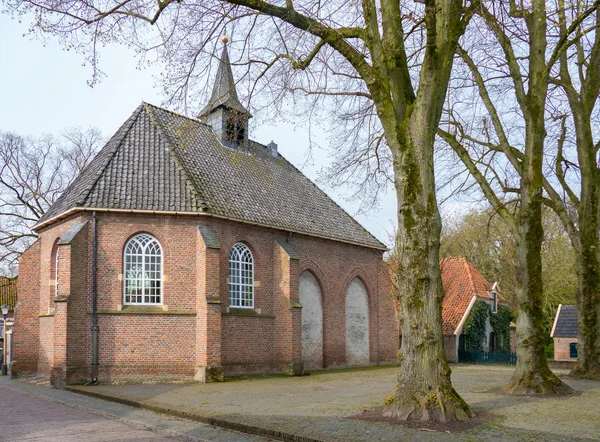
224, 112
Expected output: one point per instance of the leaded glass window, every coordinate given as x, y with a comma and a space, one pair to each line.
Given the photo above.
241, 277
143, 271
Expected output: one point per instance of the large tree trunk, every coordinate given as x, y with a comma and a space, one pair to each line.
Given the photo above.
532, 374
424, 391
588, 262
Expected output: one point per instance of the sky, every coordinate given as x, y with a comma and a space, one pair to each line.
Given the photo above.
44, 89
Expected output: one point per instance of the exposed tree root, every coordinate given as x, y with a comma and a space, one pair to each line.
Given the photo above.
443, 405
581, 373
537, 382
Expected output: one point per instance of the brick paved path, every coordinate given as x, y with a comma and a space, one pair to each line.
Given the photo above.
318, 406
26, 418
37, 413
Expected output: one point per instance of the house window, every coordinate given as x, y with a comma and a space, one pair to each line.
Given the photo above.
241, 277
494, 302
143, 271
573, 350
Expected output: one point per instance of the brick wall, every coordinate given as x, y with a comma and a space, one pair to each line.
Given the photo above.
46, 347
152, 345
80, 282
450, 348
26, 341
562, 351
174, 342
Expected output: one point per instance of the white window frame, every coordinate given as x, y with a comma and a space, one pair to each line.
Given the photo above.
236, 254
494, 301
56, 271
143, 256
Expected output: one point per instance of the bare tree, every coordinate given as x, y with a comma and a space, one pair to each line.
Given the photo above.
33, 174
484, 238
578, 79
381, 67
504, 152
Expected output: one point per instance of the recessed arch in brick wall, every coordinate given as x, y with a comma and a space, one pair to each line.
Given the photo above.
311, 298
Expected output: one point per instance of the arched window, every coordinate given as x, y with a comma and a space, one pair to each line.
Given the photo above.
56, 272
143, 271
241, 277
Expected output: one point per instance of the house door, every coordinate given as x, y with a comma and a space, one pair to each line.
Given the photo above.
492, 346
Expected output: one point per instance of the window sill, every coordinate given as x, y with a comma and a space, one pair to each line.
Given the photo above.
143, 310
247, 312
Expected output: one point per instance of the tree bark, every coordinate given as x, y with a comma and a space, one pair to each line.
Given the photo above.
586, 241
424, 391
588, 263
532, 374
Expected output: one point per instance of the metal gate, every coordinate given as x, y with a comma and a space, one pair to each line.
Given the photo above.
485, 357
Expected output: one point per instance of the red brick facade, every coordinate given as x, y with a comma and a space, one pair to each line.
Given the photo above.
193, 334
562, 348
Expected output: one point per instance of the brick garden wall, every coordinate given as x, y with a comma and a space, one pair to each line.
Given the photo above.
166, 344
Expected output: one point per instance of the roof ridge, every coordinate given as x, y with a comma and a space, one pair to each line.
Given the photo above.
199, 121
285, 159
180, 165
177, 114
119, 136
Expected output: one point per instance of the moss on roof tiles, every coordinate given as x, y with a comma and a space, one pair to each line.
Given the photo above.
160, 160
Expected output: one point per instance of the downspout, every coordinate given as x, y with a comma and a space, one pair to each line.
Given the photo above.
377, 298
95, 328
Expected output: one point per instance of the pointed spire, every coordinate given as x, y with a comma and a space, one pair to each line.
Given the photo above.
224, 92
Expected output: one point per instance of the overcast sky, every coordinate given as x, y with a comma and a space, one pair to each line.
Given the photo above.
43, 89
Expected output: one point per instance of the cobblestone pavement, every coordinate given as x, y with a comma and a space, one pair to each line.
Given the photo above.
319, 406
37, 413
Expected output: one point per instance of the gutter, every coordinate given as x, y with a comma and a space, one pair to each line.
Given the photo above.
167, 212
555, 320
465, 316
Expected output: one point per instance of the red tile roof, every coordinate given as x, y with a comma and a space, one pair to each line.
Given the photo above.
461, 282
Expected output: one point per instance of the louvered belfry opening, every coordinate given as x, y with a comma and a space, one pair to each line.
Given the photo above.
224, 112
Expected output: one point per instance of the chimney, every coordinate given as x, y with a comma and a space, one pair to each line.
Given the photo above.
272, 148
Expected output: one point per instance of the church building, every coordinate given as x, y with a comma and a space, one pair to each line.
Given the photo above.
185, 251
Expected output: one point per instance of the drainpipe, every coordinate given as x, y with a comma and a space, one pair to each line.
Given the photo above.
377, 299
95, 328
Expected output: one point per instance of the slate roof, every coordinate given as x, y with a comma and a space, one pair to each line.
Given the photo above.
162, 161
565, 322
461, 281
224, 92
